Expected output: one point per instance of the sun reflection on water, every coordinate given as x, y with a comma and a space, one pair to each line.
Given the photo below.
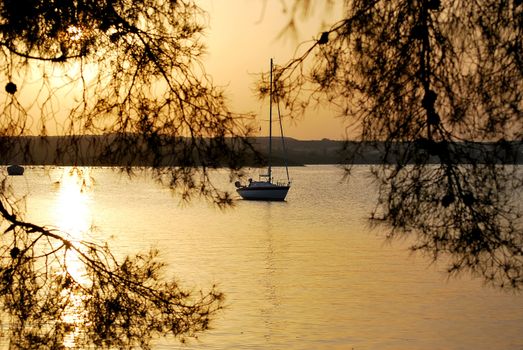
72, 210
73, 216
74, 318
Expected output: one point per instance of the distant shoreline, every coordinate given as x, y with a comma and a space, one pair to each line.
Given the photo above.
91, 150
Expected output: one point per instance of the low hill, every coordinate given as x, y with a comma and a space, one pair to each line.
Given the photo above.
93, 150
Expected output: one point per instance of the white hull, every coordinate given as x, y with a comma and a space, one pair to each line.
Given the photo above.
270, 192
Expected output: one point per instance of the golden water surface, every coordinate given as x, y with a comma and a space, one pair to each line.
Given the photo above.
307, 273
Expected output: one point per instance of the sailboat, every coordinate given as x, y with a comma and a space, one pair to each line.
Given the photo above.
265, 189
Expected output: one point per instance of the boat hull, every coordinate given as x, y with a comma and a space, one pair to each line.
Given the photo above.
15, 170
264, 193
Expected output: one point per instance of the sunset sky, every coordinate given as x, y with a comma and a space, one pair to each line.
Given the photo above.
241, 38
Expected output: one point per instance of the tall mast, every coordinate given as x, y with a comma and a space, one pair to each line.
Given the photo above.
270, 126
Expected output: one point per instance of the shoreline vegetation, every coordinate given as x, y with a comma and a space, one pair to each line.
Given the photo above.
98, 151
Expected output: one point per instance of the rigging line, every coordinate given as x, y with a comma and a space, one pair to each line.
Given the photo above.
283, 142
270, 126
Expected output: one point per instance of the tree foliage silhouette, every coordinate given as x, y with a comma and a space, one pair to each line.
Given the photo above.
131, 71
430, 82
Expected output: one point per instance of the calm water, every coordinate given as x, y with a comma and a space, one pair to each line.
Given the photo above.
304, 274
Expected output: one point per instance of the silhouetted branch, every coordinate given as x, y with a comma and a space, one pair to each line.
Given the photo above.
129, 75
426, 81
110, 304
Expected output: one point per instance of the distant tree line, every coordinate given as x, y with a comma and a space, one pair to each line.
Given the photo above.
94, 151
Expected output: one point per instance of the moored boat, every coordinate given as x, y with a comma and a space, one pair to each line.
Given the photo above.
15, 170
265, 189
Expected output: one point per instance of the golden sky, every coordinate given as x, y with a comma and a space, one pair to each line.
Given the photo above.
241, 38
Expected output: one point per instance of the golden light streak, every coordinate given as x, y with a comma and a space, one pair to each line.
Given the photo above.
73, 216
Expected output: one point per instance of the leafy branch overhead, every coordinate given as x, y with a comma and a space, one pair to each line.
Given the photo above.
431, 79
131, 71
106, 303
121, 68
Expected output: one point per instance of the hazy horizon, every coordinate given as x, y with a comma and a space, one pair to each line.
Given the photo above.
234, 62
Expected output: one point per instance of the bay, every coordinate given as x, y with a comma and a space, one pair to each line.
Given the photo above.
308, 273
